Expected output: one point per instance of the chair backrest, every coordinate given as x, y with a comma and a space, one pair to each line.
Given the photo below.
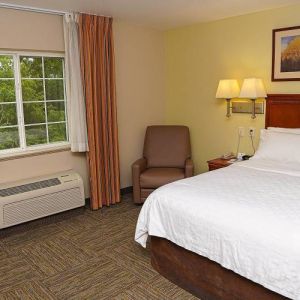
167, 146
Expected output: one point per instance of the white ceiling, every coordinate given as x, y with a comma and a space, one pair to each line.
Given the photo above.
160, 14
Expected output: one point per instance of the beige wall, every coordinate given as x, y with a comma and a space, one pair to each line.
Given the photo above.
196, 58
33, 31
199, 56
140, 89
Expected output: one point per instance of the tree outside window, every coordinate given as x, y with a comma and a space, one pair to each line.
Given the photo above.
33, 112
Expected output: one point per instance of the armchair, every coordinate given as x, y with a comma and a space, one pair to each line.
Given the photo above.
166, 158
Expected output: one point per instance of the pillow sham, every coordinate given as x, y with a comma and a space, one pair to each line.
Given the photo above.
278, 146
286, 130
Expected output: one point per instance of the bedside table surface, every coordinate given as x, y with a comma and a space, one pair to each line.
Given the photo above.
219, 161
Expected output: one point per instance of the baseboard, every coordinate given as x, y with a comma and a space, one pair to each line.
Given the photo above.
127, 190
87, 201
123, 191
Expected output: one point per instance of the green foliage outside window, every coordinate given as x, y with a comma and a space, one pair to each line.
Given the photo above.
56, 111
6, 66
54, 89
8, 115
57, 132
9, 138
31, 67
32, 90
34, 113
53, 67
36, 135
42, 91
7, 90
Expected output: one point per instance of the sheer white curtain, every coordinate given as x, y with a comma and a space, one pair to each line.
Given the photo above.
74, 88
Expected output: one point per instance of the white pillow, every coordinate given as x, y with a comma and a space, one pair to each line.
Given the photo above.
287, 130
278, 146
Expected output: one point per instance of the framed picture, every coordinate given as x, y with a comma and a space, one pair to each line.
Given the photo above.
286, 54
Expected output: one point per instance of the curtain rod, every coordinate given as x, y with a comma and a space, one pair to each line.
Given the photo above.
37, 10
32, 9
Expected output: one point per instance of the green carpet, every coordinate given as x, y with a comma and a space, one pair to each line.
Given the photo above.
81, 254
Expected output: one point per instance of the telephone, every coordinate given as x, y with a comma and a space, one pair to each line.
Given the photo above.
246, 157
228, 155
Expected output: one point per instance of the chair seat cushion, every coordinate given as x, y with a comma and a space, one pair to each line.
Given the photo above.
156, 177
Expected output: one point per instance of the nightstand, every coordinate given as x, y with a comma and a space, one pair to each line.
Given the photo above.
218, 163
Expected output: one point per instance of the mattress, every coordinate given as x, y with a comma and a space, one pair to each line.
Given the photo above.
245, 217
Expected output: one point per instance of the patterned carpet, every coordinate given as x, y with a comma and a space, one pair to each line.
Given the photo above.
81, 254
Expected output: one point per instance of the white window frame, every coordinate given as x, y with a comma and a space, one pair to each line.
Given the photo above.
35, 149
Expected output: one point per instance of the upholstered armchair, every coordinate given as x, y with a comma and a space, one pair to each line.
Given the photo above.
166, 158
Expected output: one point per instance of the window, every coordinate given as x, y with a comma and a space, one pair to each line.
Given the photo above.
32, 102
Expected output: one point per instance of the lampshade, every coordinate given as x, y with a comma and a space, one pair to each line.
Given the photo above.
253, 88
228, 89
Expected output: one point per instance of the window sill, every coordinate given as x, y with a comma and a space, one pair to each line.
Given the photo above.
34, 152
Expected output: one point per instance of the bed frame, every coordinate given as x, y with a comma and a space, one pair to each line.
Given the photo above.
207, 279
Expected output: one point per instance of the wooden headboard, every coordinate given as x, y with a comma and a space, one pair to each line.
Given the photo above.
283, 110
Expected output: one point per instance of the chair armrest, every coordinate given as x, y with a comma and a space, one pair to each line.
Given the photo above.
137, 168
189, 168
139, 165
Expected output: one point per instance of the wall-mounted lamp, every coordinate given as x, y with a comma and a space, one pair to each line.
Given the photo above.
228, 89
253, 89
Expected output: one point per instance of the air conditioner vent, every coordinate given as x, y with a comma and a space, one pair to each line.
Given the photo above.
29, 187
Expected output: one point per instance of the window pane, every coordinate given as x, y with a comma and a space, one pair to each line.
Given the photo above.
6, 66
53, 67
35, 135
57, 132
7, 90
9, 138
56, 111
32, 90
8, 115
34, 113
31, 67
54, 89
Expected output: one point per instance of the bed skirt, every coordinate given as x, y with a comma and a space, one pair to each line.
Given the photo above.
202, 277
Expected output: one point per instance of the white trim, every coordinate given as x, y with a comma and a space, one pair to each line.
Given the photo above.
8, 126
20, 112
41, 10
34, 150
65, 98
36, 101
23, 149
34, 124
39, 124
32, 53
40, 78
45, 106
32, 9
6, 103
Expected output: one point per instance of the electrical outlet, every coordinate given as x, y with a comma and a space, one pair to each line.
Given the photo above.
241, 131
251, 131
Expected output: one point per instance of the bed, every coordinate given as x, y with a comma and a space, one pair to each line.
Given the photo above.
211, 236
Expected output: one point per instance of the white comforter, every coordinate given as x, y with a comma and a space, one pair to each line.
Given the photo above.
245, 217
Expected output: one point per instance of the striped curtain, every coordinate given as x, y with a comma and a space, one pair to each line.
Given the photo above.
98, 74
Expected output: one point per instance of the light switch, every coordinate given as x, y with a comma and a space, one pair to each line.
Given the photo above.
241, 131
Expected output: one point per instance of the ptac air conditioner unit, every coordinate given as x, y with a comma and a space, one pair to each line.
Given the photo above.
35, 198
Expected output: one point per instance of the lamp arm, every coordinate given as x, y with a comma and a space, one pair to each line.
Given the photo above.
253, 109
228, 108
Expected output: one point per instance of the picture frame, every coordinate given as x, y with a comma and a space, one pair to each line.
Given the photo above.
286, 54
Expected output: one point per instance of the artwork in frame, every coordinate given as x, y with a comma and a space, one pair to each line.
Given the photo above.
286, 54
